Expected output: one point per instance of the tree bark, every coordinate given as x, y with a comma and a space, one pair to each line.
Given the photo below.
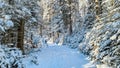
41, 30
20, 40
70, 28
70, 19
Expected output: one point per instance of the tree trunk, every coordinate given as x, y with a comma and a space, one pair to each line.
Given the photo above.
70, 28
20, 40
41, 30
70, 19
57, 34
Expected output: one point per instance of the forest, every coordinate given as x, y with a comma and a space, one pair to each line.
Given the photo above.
59, 33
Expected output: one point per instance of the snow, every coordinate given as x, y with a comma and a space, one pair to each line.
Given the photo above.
9, 57
1, 28
1, 21
1, 4
55, 56
34, 19
7, 17
9, 23
91, 64
113, 37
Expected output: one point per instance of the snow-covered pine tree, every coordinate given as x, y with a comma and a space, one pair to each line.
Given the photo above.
76, 37
101, 43
20, 14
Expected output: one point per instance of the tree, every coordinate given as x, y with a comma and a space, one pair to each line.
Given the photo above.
66, 12
21, 15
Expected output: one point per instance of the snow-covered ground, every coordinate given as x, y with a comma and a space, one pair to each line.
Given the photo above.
56, 57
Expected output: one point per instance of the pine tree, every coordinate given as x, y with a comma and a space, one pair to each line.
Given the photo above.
19, 14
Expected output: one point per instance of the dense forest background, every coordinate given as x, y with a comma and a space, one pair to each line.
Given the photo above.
92, 26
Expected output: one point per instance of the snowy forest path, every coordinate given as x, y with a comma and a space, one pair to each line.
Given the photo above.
57, 57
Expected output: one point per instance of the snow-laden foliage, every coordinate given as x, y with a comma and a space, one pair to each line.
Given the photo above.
33, 24
23, 9
102, 42
57, 23
10, 57
82, 21
5, 19
75, 39
77, 36
13, 11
